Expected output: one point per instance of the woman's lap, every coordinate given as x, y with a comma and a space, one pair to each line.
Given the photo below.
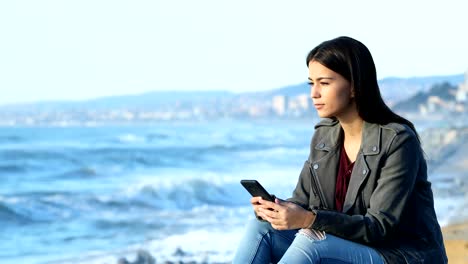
263, 244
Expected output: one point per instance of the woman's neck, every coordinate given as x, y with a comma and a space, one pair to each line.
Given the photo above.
352, 125
352, 128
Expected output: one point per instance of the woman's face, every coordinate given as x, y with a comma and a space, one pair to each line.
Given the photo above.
331, 93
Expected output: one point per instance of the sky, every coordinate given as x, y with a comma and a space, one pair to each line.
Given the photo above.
76, 50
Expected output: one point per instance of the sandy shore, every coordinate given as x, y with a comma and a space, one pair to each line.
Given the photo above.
456, 243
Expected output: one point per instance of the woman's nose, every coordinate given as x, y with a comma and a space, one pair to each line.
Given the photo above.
314, 92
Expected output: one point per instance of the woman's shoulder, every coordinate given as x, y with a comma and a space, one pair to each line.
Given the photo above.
393, 127
398, 129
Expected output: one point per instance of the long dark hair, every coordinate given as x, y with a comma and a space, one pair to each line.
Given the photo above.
352, 60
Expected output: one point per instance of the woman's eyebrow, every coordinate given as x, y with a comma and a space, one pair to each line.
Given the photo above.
321, 78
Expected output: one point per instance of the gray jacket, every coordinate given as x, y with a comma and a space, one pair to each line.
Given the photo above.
389, 203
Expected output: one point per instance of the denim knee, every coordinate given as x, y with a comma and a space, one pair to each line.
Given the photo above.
259, 227
310, 247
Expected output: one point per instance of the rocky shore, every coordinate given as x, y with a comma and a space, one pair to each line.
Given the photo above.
144, 257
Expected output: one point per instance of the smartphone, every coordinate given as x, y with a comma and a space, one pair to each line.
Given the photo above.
256, 189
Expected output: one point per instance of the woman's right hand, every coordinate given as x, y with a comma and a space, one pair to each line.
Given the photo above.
255, 201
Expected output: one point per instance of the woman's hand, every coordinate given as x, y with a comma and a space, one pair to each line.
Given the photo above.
282, 215
257, 205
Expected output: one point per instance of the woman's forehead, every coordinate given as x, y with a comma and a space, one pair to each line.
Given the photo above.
317, 70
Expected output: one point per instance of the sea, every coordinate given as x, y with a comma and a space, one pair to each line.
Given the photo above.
94, 194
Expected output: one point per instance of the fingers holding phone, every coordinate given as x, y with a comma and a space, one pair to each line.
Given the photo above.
259, 204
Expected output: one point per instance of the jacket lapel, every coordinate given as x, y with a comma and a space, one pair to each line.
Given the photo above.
370, 145
325, 171
325, 163
358, 176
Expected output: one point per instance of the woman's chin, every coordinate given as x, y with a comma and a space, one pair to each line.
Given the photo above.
323, 115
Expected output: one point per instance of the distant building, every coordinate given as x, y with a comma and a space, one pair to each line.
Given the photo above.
280, 104
462, 92
461, 97
303, 101
434, 103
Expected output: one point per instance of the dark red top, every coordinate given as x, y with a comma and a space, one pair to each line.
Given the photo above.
342, 180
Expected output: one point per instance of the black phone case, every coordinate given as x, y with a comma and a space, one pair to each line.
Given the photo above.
256, 189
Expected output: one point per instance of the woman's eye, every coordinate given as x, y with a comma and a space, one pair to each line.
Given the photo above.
310, 83
324, 83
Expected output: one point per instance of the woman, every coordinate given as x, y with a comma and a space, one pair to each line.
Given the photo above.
363, 194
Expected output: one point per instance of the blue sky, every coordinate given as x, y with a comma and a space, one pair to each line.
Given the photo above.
74, 50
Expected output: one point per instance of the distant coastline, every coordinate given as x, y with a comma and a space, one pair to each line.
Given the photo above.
290, 102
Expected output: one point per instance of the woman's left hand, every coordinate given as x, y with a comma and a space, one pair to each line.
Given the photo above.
286, 215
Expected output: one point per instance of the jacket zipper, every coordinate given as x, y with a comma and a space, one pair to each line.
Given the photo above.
316, 190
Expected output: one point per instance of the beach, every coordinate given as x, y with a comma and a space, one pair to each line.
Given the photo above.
456, 243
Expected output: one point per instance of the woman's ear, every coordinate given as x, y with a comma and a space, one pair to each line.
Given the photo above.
352, 92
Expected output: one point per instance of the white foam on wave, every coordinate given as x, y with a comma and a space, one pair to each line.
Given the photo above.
198, 245
179, 189
130, 138
207, 245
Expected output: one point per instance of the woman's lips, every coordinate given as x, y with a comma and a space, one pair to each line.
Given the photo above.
319, 106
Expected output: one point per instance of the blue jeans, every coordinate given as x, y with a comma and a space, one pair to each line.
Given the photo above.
264, 244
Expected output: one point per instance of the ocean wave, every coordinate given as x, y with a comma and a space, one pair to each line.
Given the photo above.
158, 197
7, 215
186, 194
82, 172
133, 156
136, 224
156, 136
28, 154
130, 138
39, 207
11, 139
12, 168
152, 157
129, 156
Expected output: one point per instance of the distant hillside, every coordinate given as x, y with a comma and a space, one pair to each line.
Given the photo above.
398, 89
144, 100
292, 90
393, 90
444, 91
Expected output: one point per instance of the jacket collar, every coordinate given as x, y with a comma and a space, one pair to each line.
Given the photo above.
370, 143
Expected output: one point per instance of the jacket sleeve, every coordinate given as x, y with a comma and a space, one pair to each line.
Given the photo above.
394, 187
